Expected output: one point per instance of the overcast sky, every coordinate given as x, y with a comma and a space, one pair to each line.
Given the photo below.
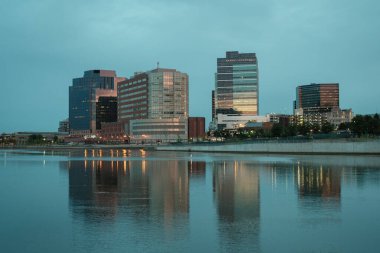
46, 43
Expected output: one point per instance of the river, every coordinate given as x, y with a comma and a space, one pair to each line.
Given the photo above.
148, 201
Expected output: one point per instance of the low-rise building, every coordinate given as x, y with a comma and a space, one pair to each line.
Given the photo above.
233, 121
64, 126
196, 128
158, 130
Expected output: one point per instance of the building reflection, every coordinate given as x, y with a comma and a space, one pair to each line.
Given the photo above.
237, 198
169, 192
93, 189
322, 181
197, 170
137, 189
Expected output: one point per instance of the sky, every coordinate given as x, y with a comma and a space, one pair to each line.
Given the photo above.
44, 44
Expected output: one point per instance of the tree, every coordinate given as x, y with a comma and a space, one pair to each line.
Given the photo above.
35, 139
304, 129
357, 125
277, 130
327, 127
344, 126
290, 130
376, 122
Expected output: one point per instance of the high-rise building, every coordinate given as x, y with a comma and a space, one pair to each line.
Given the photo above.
213, 114
237, 84
106, 110
154, 105
317, 98
319, 103
133, 98
85, 114
168, 94
236, 89
159, 93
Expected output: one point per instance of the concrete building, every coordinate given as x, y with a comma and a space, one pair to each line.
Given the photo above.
114, 132
158, 130
84, 94
150, 101
133, 98
282, 119
232, 121
236, 86
338, 116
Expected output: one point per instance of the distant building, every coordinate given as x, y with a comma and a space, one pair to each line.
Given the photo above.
64, 126
213, 113
84, 96
196, 128
282, 119
317, 98
227, 121
319, 103
114, 132
236, 87
22, 138
338, 116
237, 84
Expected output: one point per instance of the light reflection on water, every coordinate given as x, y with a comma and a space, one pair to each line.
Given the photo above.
119, 200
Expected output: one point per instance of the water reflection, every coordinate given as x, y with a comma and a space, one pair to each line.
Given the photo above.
156, 191
197, 170
144, 199
237, 198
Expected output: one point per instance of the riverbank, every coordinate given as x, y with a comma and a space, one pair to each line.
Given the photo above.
80, 147
328, 147
318, 147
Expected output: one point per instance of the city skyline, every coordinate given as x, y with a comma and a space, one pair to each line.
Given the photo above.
296, 43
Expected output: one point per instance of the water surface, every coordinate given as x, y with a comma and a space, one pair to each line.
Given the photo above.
140, 201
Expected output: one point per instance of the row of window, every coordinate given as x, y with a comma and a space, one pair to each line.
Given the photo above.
132, 93
133, 109
121, 90
131, 83
136, 98
143, 102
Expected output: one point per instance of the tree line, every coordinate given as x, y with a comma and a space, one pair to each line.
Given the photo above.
361, 125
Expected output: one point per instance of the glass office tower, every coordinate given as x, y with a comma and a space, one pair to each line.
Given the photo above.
84, 95
237, 84
317, 98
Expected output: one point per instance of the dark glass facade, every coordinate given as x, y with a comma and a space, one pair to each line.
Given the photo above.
213, 104
106, 110
237, 84
84, 95
317, 97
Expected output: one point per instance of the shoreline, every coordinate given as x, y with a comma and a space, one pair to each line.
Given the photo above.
310, 147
